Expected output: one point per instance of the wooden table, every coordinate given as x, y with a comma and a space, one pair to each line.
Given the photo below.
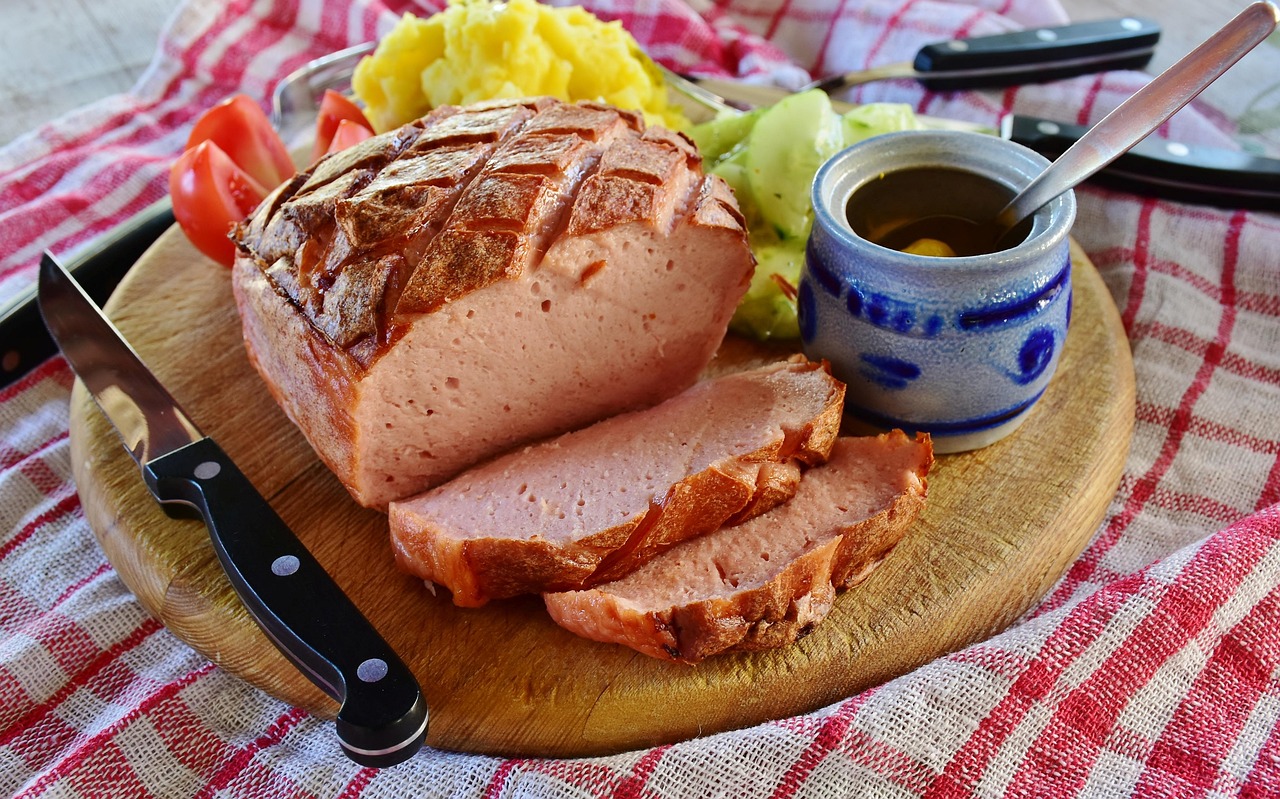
56, 55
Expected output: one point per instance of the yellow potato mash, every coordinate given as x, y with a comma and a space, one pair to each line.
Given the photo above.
477, 50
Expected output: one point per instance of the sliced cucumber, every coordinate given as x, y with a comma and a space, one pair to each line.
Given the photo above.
873, 119
722, 134
732, 166
784, 150
769, 158
766, 312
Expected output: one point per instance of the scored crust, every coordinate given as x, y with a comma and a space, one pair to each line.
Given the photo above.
735, 589
484, 277
404, 222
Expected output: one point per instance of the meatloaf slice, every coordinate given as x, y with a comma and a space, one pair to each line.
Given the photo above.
484, 277
764, 583
591, 505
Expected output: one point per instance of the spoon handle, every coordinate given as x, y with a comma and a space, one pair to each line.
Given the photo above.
1147, 109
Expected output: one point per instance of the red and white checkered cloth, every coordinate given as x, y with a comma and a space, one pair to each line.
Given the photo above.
1150, 669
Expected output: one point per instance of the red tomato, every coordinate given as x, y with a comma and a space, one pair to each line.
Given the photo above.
210, 194
347, 134
242, 131
335, 109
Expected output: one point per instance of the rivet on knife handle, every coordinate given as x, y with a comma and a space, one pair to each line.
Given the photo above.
1038, 55
383, 719
1172, 170
1030, 56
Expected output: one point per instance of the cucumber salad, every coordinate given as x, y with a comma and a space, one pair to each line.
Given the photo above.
769, 157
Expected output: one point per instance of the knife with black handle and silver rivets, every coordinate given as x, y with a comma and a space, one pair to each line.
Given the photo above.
1160, 168
1154, 167
383, 716
1004, 59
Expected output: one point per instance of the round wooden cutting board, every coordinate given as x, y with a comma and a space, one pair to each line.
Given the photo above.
1002, 524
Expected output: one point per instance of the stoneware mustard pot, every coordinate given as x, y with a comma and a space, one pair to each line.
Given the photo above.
960, 347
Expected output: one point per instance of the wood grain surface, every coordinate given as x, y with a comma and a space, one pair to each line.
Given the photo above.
1002, 525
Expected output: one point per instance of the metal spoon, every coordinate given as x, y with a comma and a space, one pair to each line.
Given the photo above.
1146, 110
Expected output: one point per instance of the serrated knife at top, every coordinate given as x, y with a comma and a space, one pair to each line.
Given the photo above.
383, 716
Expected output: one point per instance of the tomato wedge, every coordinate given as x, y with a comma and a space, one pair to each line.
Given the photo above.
234, 158
242, 131
347, 134
210, 194
334, 110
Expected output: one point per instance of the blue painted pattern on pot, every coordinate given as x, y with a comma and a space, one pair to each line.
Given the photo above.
960, 347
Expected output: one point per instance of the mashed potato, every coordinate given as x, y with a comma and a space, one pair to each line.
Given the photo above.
479, 50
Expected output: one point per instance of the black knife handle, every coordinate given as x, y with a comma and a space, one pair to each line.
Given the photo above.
98, 268
383, 718
1159, 168
1038, 55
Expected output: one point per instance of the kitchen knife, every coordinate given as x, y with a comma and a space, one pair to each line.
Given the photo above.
1156, 167
383, 716
1006, 59
1172, 170
24, 341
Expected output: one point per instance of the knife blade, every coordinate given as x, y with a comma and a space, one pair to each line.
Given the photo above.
383, 716
1172, 170
98, 268
1006, 59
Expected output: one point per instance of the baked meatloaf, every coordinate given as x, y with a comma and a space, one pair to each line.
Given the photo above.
591, 505
768, 581
483, 277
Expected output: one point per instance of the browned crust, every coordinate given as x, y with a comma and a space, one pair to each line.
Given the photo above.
481, 569
775, 484
321, 378
388, 226
458, 200
775, 614
477, 570
698, 505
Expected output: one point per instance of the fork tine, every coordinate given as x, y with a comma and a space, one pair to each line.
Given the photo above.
296, 100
